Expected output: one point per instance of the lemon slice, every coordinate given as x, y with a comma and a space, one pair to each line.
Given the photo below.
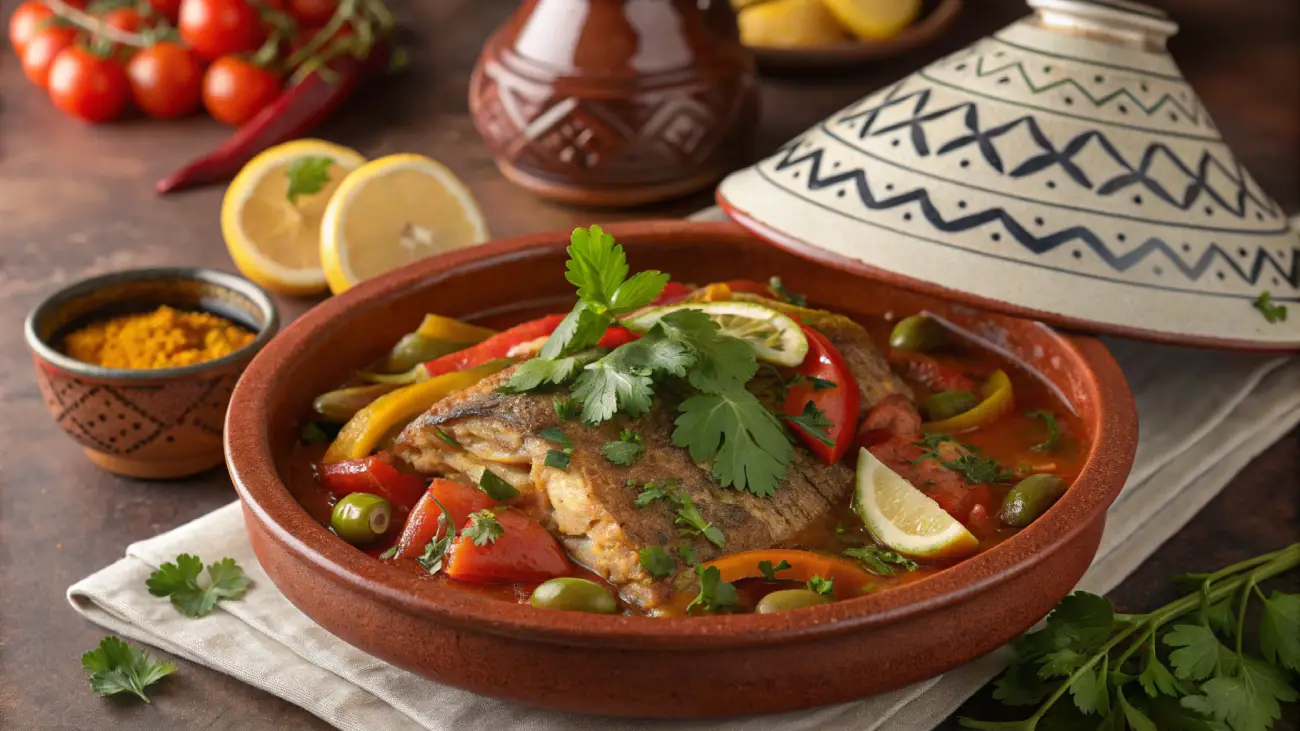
788, 24
394, 211
874, 20
273, 240
776, 338
904, 518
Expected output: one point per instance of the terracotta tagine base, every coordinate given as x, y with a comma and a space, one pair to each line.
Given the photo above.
615, 102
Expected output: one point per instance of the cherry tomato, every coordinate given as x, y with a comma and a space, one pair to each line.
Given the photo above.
87, 86
838, 403
25, 23
123, 19
166, 80
41, 49
169, 9
312, 12
215, 28
235, 89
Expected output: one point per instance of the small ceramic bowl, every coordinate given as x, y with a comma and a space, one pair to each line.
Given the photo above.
152, 424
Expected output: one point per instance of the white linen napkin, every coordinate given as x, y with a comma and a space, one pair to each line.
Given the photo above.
1203, 416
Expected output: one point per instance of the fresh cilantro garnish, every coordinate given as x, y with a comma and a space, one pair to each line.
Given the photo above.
625, 451
180, 581
1272, 311
978, 470
117, 667
307, 175
655, 560
745, 441
566, 408
814, 423
536, 372
1053, 431
558, 458
817, 384
688, 554
495, 487
1178, 667
650, 493
688, 516
715, 595
483, 528
313, 433
392, 551
822, 586
778, 287
769, 571
881, 561
443, 537
449, 439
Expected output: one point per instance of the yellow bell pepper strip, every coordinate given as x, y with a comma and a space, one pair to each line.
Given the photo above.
998, 399
436, 336
367, 428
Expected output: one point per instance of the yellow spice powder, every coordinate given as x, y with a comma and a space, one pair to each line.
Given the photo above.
164, 338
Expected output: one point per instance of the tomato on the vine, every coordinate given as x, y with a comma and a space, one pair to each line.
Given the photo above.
41, 49
166, 80
312, 12
26, 22
126, 20
87, 86
169, 9
234, 89
215, 28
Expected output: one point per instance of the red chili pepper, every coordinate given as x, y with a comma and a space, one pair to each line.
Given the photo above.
375, 474
291, 115
494, 347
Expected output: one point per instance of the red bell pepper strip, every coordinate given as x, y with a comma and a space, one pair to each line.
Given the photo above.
672, 292
459, 499
376, 475
524, 552
615, 336
494, 347
839, 403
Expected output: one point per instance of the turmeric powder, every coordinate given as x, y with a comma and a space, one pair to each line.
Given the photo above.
164, 338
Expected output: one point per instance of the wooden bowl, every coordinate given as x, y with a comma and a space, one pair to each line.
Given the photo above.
153, 424
639, 666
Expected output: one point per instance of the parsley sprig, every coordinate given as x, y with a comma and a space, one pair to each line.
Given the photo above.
444, 535
117, 667
716, 596
688, 516
484, 528
977, 470
1132, 670
180, 581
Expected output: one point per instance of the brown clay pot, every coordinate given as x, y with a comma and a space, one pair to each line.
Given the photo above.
615, 102
639, 666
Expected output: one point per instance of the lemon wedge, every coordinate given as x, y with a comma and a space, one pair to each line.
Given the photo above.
788, 23
904, 518
275, 240
394, 211
874, 20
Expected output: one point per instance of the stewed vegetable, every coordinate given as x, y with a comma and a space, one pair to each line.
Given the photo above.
573, 595
1030, 498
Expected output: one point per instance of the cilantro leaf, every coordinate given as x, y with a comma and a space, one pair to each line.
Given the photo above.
777, 286
1247, 700
449, 439
656, 561
566, 408
1053, 430
745, 442
978, 470
625, 451
307, 175
1198, 653
1222, 617
180, 581
1020, 685
723, 363
881, 561
1090, 692
495, 487
436, 549
1155, 678
1136, 719
813, 423
822, 586
688, 516
769, 571
556, 434
535, 372
581, 328
715, 594
483, 528
117, 667
649, 494
1272, 311
638, 291
557, 459
688, 554
606, 387
1279, 629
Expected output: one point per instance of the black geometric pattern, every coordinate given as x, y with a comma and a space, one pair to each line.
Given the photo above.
808, 165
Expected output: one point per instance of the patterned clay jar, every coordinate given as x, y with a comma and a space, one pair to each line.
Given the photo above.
615, 102
1061, 169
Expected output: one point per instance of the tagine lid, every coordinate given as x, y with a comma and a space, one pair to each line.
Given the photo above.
1060, 169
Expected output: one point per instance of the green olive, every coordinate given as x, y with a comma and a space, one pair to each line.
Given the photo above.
360, 517
338, 406
414, 349
948, 404
787, 599
574, 595
1030, 498
919, 333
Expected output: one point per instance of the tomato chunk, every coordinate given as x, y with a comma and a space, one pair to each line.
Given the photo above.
838, 403
494, 347
459, 499
525, 552
375, 474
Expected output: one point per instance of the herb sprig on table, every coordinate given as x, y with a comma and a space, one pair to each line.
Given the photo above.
1187, 665
117, 667
179, 580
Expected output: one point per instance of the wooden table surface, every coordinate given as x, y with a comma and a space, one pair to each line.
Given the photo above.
76, 201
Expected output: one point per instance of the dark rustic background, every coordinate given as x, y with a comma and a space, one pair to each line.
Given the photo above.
77, 201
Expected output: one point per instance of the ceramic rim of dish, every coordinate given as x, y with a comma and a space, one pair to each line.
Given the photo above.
267, 499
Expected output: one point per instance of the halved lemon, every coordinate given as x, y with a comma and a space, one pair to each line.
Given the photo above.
776, 338
874, 20
904, 518
275, 241
788, 24
394, 211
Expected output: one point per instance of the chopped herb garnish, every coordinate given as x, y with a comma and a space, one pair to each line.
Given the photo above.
625, 451
180, 581
881, 561
813, 423
389, 553
778, 287
817, 384
978, 470
715, 595
1053, 431
688, 554
314, 433
484, 528
557, 459
556, 434
656, 561
307, 175
436, 549
1272, 311
117, 667
825, 587
566, 408
449, 439
694, 524
650, 493
495, 487
769, 571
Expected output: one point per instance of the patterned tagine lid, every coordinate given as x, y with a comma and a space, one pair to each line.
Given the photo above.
1061, 169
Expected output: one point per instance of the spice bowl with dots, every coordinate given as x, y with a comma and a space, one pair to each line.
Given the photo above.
138, 366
